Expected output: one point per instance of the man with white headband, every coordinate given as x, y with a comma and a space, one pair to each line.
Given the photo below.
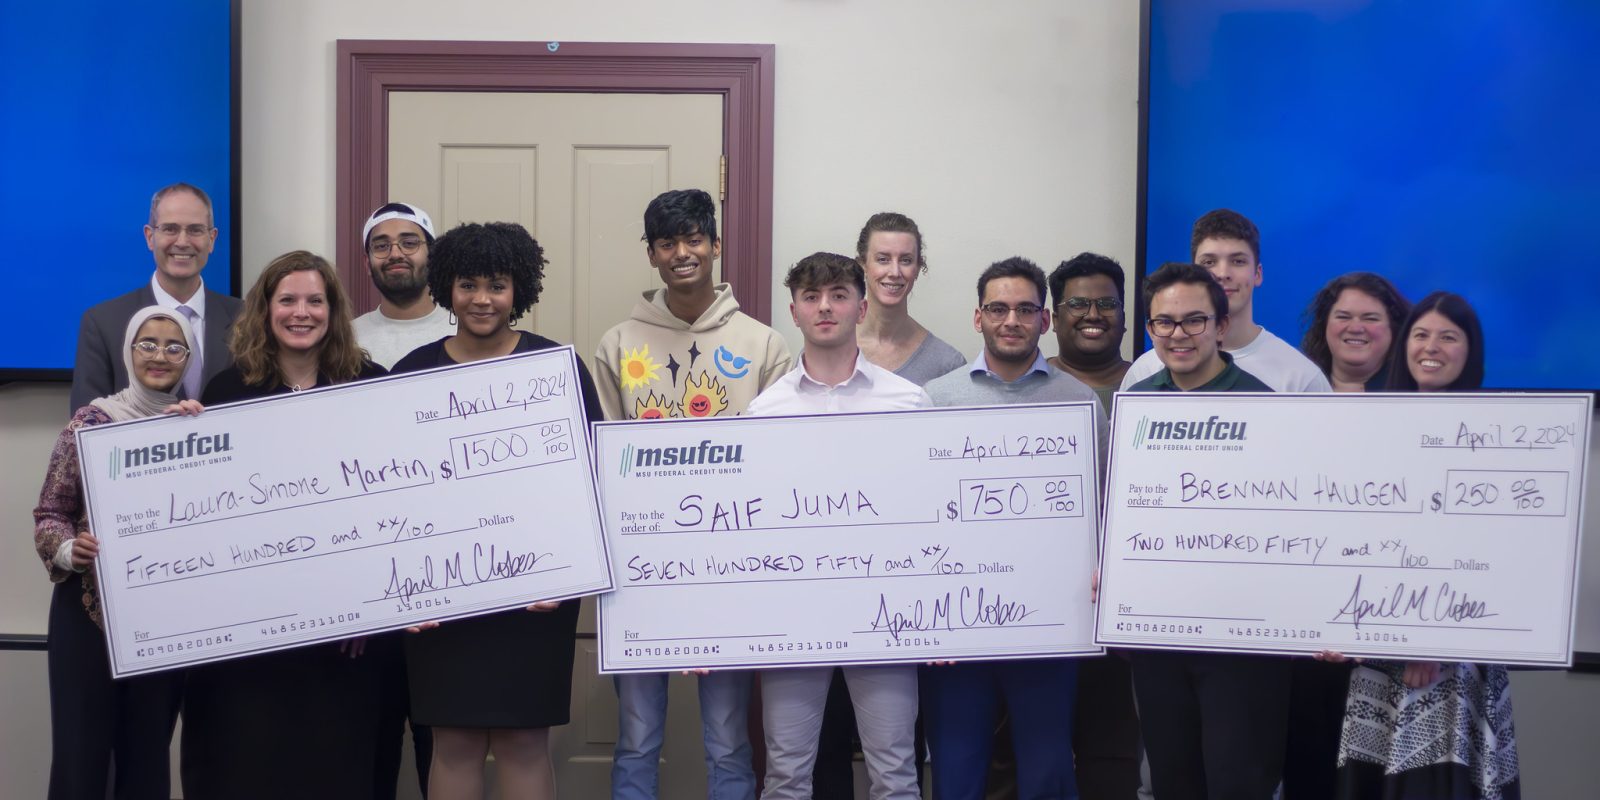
396, 239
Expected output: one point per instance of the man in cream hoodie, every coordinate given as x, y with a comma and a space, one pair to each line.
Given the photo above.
685, 351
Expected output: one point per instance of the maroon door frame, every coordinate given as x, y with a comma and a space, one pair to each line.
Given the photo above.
741, 73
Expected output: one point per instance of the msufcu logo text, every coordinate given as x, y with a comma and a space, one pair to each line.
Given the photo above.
703, 455
149, 457
1210, 434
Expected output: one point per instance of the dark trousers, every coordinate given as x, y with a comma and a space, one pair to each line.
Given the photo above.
1213, 723
95, 721
1105, 733
963, 701
1317, 696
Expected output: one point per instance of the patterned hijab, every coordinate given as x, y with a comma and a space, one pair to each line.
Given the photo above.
139, 400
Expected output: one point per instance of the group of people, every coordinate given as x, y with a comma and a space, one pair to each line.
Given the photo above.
328, 720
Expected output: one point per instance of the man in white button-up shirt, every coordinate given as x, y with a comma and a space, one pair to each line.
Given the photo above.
829, 300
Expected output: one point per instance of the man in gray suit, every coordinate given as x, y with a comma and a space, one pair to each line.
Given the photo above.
180, 235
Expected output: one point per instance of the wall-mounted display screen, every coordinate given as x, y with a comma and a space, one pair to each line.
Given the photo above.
104, 105
1443, 146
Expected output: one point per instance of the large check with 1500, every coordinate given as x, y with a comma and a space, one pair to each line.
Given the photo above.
337, 512
848, 538
1426, 526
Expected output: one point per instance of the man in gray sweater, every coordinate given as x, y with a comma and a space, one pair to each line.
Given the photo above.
961, 700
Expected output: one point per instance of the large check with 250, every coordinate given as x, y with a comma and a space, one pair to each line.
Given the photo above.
848, 538
333, 513
1434, 526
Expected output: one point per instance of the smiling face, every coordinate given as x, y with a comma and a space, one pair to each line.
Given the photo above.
158, 372
482, 305
1087, 338
1192, 358
182, 237
1235, 267
398, 276
299, 311
1358, 334
891, 267
1013, 339
685, 262
1436, 352
827, 315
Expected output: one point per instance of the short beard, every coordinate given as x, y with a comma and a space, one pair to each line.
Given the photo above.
400, 295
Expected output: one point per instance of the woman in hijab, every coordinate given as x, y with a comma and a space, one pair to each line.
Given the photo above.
93, 719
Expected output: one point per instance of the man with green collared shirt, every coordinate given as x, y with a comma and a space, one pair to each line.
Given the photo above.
1213, 723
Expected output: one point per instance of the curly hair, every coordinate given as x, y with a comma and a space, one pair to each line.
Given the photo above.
1371, 284
889, 222
474, 250
1455, 308
255, 348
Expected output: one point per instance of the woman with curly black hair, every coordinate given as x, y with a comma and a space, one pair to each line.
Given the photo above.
494, 683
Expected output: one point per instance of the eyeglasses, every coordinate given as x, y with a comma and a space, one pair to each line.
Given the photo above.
172, 229
407, 244
1079, 306
175, 353
1194, 326
998, 312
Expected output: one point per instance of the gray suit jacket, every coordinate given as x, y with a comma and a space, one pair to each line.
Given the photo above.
99, 371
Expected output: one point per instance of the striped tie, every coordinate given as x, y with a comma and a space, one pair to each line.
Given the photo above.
192, 378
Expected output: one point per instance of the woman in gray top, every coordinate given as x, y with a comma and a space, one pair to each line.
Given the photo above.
890, 252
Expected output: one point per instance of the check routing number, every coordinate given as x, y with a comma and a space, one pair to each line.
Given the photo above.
1430, 526
342, 511
849, 538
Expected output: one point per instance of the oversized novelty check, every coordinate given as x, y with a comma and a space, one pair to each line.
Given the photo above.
1436, 526
849, 538
342, 511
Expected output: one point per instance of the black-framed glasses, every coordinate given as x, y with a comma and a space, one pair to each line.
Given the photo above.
1079, 306
175, 353
172, 229
998, 312
407, 244
1194, 326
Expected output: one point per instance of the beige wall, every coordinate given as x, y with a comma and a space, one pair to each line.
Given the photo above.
1003, 128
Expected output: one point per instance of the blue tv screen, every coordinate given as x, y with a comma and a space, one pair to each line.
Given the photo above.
105, 103
1445, 146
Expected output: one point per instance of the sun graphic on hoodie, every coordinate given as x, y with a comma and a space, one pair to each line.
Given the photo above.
654, 406
638, 369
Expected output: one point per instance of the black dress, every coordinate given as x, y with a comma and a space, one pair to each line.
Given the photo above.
291, 723
511, 669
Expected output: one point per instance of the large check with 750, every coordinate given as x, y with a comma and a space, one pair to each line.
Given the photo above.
849, 538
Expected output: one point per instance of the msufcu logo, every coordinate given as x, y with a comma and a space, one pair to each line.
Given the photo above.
191, 447
704, 454
1148, 432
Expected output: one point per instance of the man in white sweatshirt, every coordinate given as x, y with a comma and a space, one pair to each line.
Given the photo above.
1228, 244
685, 351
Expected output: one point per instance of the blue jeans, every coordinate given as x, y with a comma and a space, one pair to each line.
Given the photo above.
642, 720
961, 704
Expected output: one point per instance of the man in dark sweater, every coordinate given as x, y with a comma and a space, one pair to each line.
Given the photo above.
1213, 723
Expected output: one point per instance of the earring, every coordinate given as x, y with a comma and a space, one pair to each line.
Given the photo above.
452, 318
